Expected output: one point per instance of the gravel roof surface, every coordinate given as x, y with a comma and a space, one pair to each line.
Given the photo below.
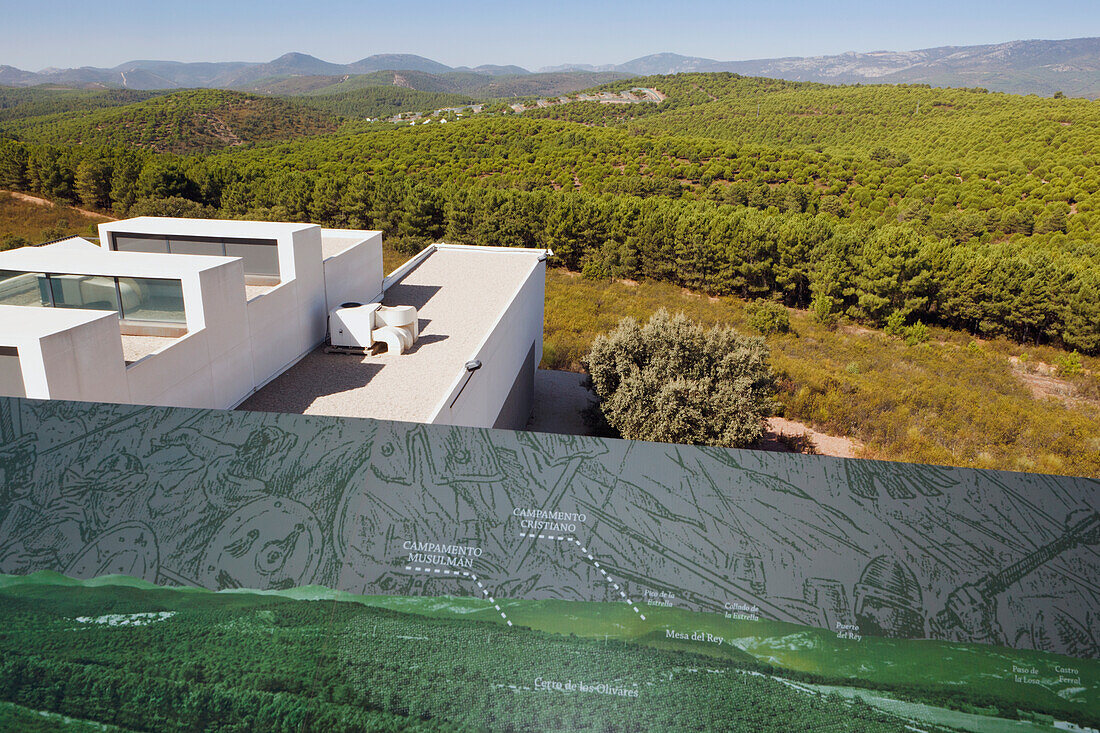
136, 347
459, 295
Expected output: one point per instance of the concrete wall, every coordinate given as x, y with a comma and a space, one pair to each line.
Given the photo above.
516, 340
63, 354
276, 330
212, 365
11, 376
309, 272
232, 346
81, 361
78, 354
289, 321
520, 402
354, 274
85, 363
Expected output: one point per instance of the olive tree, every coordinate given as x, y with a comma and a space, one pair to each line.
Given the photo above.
674, 381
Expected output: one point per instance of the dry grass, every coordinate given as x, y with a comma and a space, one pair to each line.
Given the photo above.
37, 223
951, 401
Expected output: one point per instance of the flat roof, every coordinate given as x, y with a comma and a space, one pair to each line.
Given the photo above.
136, 348
20, 322
203, 227
459, 292
80, 257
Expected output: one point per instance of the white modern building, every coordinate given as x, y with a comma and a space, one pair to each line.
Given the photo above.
224, 314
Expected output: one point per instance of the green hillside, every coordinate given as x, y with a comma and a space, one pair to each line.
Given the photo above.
247, 661
383, 101
969, 127
862, 207
58, 617
938, 672
182, 122
480, 86
978, 213
23, 102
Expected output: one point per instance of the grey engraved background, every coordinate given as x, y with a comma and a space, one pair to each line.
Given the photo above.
271, 501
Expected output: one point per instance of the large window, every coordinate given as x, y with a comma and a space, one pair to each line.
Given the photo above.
23, 288
261, 256
151, 299
138, 299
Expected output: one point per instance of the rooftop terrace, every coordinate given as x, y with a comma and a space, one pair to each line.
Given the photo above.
459, 293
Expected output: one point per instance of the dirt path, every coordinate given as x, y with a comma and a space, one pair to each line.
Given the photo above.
1042, 380
790, 435
46, 202
223, 131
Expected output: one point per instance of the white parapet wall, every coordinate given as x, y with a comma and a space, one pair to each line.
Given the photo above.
255, 301
209, 366
201, 361
287, 319
66, 354
353, 266
499, 392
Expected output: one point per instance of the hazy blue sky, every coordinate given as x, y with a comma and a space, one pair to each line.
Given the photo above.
39, 33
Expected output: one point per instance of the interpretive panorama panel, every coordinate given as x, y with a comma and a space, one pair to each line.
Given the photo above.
266, 570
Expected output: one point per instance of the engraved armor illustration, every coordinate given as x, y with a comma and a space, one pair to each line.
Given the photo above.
888, 600
970, 613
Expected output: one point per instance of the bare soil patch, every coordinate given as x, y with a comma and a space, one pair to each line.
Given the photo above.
1042, 380
50, 204
791, 436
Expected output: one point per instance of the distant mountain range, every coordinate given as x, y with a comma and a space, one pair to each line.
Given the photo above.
1023, 67
226, 75
1019, 67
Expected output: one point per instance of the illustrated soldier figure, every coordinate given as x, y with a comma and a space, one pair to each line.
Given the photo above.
118, 481
888, 600
970, 613
226, 474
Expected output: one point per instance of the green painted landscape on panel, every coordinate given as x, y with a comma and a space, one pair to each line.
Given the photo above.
98, 650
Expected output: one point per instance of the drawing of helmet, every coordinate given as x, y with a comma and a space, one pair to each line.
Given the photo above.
888, 600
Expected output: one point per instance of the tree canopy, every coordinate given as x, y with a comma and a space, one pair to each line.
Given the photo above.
953, 207
674, 381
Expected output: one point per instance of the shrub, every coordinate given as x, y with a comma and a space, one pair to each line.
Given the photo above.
822, 308
12, 242
176, 206
916, 334
895, 324
1069, 365
768, 317
672, 380
409, 246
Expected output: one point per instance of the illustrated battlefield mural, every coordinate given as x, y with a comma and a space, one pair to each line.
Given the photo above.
223, 500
